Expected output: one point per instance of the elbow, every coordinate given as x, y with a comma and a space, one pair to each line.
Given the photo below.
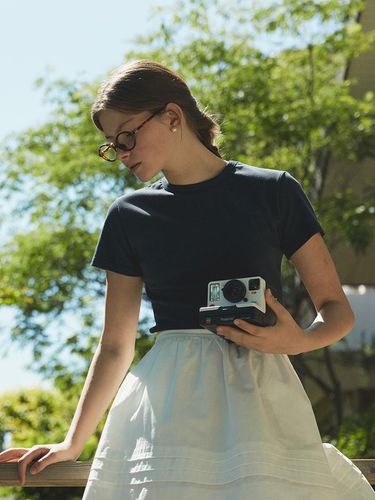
127, 351
350, 320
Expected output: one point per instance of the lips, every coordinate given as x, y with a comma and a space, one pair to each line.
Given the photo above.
133, 166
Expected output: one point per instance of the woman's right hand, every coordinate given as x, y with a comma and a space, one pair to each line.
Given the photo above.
40, 456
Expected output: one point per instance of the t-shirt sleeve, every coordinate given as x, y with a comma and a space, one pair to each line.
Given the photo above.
297, 219
113, 251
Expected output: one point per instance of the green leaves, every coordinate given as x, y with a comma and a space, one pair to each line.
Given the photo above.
36, 416
356, 436
349, 217
271, 73
290, 15
47, 263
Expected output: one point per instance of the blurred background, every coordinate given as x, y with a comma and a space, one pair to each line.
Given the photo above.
292, 86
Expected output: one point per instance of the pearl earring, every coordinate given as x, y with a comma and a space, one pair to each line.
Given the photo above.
174, 129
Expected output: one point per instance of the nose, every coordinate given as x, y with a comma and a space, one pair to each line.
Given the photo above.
122, 155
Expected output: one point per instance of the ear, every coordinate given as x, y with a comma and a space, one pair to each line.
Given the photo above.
174, 115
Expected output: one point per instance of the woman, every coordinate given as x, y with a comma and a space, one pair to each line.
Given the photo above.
201, 417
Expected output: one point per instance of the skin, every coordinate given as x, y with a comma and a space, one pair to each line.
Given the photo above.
334, 318
184, 160
180, 155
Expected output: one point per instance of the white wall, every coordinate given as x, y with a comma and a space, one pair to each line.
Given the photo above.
362, 300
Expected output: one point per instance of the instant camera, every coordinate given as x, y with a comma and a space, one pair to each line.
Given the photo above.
240, 298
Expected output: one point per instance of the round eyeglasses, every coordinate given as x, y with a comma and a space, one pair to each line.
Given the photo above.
124, 141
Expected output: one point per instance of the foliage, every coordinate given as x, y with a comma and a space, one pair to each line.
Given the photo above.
356, 436
34, 416
288, 109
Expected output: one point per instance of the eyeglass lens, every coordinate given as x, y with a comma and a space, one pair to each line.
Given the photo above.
107, 152
125, 142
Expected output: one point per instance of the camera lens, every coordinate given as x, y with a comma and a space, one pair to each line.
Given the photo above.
234, 291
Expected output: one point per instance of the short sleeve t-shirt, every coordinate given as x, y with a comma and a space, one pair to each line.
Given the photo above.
178, 238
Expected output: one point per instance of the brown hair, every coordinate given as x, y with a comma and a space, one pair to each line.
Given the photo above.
145, 85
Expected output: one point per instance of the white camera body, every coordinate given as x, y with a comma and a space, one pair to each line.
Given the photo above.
239, 298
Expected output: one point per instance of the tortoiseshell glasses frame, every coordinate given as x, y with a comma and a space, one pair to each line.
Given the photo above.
126, 143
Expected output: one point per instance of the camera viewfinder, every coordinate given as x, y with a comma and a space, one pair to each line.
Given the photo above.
254, 284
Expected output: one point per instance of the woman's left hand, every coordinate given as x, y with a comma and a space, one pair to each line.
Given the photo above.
285, 337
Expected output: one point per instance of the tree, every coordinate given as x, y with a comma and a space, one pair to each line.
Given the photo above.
284, 109
356, 436
287, 109
34, 416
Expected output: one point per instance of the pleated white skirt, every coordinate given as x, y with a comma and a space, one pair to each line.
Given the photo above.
201, 418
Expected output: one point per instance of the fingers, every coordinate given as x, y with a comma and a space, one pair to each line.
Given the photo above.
248, 327
228, 334
251, 336
12, 454
274, 304
23, 462
42, 463
243, 329
243, 339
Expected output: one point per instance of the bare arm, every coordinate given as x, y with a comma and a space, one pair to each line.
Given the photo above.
110, 363
112, 357
335, 317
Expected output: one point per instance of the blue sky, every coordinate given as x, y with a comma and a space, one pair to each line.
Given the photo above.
64, 40
78, 39
69, 39
73, 39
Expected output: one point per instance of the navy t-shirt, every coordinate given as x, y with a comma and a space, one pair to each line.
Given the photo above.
178, 238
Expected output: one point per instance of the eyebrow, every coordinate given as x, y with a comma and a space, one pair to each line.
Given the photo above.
118, 128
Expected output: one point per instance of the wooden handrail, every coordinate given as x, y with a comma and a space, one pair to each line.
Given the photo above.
68, 473
73, 473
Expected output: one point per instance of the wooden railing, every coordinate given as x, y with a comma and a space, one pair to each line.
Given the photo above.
74, 473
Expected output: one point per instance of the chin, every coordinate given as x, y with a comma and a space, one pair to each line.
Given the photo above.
144, 175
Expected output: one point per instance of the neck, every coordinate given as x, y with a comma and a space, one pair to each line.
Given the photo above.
193, 164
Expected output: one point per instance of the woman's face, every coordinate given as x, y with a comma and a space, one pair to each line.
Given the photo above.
153, 142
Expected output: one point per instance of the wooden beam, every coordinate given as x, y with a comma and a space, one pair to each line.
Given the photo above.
68, 473
73, 473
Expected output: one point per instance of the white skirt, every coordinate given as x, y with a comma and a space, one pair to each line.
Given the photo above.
202, 418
